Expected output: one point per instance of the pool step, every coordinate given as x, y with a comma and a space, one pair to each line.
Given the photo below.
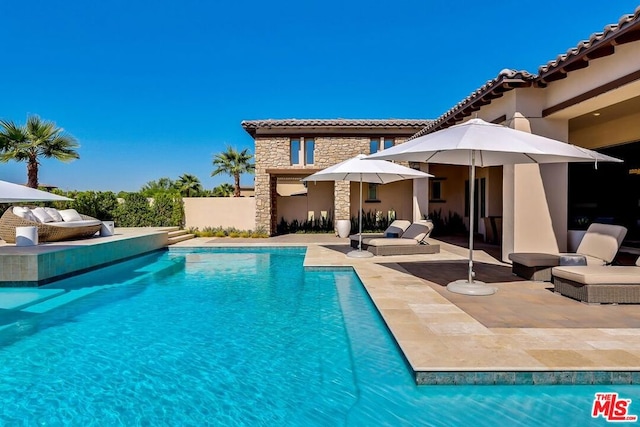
177, 235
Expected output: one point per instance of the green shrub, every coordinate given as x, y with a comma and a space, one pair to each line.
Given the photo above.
320, 225
448, 225
134, 211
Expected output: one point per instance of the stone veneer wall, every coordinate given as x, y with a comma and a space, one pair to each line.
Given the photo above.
272, 152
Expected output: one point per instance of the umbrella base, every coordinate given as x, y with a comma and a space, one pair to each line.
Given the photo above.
359, 254
465, 288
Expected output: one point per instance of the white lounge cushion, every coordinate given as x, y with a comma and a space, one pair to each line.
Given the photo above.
400, 241
41, 215
53, 213
70, 215
24, 213
74, 224
399, 226
418, 231
602, 241
599, 274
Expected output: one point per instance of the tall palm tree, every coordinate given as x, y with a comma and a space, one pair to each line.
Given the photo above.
189, 185
38, 138
234, 163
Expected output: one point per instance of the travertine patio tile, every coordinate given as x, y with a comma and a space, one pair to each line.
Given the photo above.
434, 308
455, 328
562, 359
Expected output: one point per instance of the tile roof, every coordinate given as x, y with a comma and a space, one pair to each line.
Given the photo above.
626, 30
600, 44
252, 125
494, 88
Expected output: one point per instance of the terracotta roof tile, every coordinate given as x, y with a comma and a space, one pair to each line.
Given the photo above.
504, 81
611, 31
252, 125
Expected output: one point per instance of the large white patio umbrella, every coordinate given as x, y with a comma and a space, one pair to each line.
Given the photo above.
478, 143
12, 193
356, 169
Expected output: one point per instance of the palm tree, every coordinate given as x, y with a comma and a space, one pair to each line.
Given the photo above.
189, 185
233, 163
38, 138
223, 190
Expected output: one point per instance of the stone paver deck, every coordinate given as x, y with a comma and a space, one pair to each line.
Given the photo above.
456, 339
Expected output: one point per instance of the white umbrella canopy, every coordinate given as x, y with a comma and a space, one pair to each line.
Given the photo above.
372, 171
12, 193
493, 144
478, 143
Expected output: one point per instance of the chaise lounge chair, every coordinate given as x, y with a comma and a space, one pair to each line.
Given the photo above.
395, 229
72, 226
412, 241
599, 246
599, 284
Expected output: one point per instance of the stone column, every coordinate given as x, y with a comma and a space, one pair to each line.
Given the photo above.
341, 196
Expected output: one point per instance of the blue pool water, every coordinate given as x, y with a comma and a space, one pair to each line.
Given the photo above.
239, 337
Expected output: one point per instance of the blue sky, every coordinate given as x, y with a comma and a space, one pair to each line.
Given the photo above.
155, 89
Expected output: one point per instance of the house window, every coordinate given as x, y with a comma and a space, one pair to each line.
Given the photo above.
309, 150
372, 193
375, 145
302, 149
295, 151
436, 190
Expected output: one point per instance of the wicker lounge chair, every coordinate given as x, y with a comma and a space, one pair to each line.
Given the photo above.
599, 246
412, 241
48, 232
599, 284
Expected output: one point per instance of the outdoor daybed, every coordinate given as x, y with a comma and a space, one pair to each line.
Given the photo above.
52, 225
599, 246
411, 242
598, 283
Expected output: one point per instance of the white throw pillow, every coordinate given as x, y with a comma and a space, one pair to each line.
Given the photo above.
53, 213
70, 215
24, 213
41, 215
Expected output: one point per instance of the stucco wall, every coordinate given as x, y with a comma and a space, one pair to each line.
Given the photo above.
396, 196
238, 212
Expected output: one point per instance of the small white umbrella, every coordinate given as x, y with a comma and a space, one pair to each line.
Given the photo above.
12, 193
478, 143
356, 169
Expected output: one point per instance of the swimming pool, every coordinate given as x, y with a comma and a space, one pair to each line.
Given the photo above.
240, 337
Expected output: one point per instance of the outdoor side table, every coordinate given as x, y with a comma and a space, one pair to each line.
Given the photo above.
107, 228
26, 236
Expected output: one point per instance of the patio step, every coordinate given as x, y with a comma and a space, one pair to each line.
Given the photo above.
177, 235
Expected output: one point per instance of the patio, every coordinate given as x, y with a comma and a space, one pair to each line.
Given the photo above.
524, 334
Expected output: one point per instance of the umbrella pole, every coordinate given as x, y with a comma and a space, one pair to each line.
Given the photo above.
360, 253
472, 190
469, 286
360, 218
